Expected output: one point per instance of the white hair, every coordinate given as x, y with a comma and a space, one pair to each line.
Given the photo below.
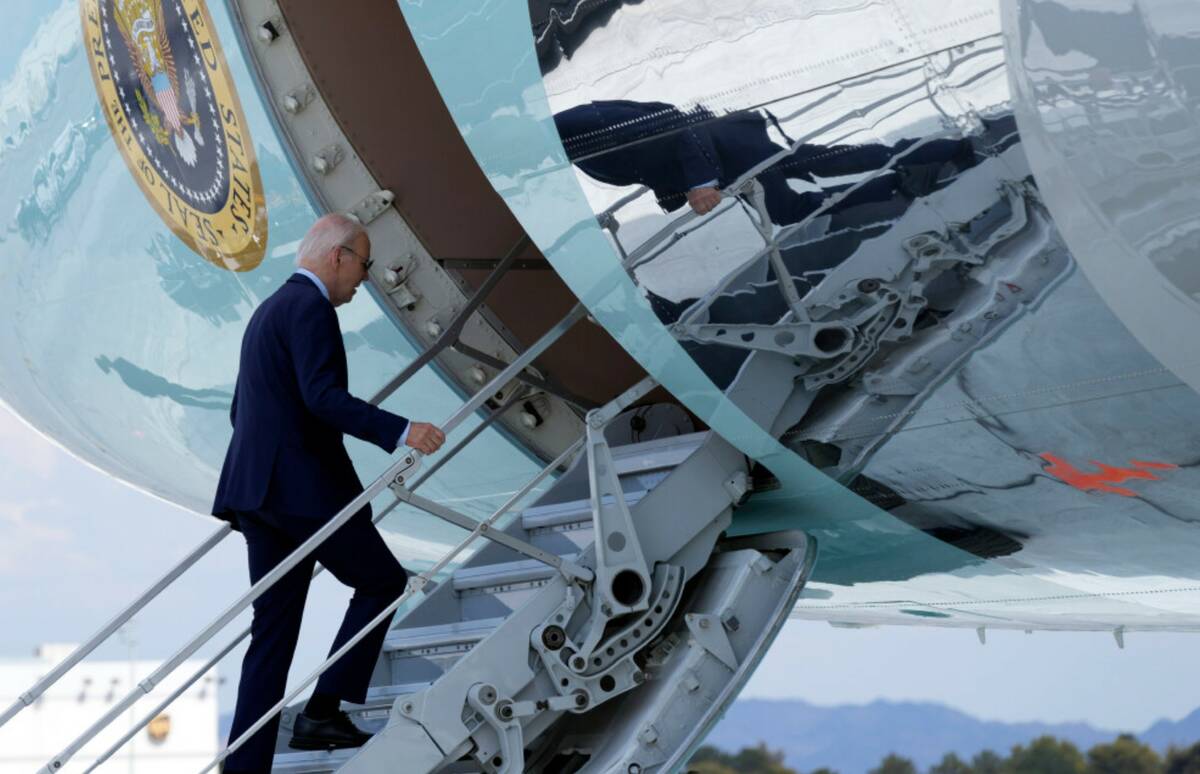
330, 231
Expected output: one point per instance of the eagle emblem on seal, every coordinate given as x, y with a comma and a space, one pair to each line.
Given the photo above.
141, 26
171, 103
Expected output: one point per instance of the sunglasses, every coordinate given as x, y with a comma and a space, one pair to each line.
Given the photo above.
366, 262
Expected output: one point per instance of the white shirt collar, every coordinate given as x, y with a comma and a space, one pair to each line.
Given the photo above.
316, 280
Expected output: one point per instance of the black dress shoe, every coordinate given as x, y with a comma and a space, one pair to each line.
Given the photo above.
333, 733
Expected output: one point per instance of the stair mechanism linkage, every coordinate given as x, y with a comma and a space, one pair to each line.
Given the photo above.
581, 651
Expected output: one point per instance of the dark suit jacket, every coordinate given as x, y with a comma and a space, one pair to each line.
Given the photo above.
290, 410
654, 144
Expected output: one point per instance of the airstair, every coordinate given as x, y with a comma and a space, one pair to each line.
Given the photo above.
510, 666
603, 628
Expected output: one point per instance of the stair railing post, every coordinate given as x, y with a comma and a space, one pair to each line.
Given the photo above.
417, 584
190, 681
395, 474
397, 469
80, 653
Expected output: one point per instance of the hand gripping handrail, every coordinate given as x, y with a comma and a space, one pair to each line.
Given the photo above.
600, 417
203, 670
396, 473
116, 622
43, 684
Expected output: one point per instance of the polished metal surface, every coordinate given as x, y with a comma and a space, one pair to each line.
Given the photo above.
1107, 95
121, 342
994, 429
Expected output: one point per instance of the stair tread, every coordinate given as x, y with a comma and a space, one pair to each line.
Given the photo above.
440, 634
571, 512
655, 454
386, 693
518, 571
311, 760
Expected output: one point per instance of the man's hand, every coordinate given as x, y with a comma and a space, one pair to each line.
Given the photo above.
425, 438
703, 199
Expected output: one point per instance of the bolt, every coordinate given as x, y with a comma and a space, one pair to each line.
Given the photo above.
320, 164
407, 708
553, 637
639, 678
267, 32
291, 104
703, 623
634, 769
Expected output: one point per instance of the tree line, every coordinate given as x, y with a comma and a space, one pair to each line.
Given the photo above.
1045, 755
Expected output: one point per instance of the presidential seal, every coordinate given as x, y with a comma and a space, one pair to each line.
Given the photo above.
170, 102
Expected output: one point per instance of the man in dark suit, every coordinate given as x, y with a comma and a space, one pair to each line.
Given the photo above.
688, 157
287, 473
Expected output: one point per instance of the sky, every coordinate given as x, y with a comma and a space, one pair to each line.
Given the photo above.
76, 545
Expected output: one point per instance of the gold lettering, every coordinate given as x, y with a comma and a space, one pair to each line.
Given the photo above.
237, 204
210, 55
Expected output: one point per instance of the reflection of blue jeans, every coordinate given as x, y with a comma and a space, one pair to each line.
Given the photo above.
358, 557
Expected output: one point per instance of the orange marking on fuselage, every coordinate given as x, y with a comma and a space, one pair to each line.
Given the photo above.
1107, 477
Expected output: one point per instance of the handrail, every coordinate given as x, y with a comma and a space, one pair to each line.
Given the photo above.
116, 622
417, 584
395, 473
44, 683
599, 418
189, 682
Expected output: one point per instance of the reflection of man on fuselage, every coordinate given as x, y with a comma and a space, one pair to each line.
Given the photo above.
689, 157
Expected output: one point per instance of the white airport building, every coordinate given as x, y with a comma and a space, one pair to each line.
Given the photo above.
179, 741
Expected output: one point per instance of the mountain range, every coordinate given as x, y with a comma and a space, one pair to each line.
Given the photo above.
854, 739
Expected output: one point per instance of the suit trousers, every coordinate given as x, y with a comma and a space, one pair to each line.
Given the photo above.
357, 556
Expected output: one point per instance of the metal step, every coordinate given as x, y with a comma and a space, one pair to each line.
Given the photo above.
422, 654
565, 527
497, 578
310, 762
574, 512
654, 455
481, 596
380, 699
